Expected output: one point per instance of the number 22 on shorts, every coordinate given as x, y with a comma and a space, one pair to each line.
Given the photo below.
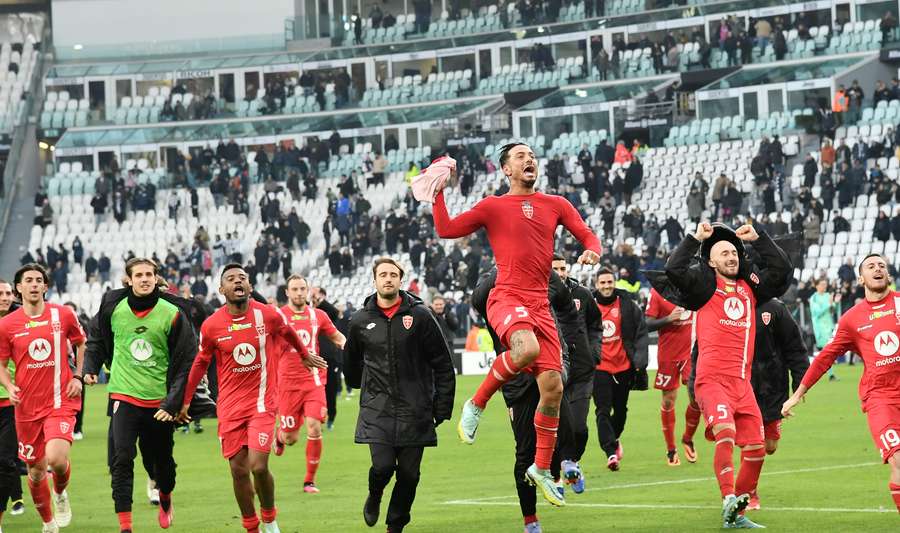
26, 451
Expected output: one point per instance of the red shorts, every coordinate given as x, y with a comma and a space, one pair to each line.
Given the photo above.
255, 432
772, 430
884, 423
306, 402
508, 312
730, 400
668, 373
34, 436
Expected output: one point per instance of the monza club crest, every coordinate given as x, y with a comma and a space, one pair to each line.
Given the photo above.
64, 427
263, 439
407, 321
527, 209
766, 317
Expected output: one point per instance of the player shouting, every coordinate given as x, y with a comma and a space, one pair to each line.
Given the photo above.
240, 335
521, 226
724, 289
46, 392
870, 328
301, 390
676, 338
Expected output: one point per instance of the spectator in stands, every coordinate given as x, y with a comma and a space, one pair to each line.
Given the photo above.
422, 9
634, 175
827, 192
812, 228
827, 155
379, 165
375, 15
695, 205
357, 27
446, 319
601, 62
881, 94
763, 34
98, 203
884, 194
840, 223
346, 263
855, 97
810, 171
845, 189
389, 20
673, 56
882, 230
307, 82
887, 25
839, 105
103, 268
776, 155
622, 155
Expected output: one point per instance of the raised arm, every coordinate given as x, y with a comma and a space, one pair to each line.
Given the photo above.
689, 277
775, 268
839, 344
454, 228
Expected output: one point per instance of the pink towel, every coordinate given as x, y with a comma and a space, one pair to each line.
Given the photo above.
430, 181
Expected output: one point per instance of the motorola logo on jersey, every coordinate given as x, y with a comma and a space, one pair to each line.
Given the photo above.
609, 329
734, 308
244, 354
39, 349
886, 343
141, 349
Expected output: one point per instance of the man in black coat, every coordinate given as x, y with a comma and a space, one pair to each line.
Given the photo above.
623, 366
446, 319
779, 354
521, 395
408, 389
331, 353
582, 331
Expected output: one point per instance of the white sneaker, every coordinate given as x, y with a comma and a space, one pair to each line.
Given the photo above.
269, 527
50, 527
63, 512
152, 492
78, 435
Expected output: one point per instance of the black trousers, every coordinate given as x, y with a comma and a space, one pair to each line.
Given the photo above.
521, 417
79, 417
333, 388
130, 423
611, 406
578, 395
10, 484
146, 454
405, 461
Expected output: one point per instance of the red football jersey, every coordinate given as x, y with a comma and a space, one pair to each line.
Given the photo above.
521, 230
246, 353
676, 338
291, 370
613, 358
38, 345
871, 329
726, 331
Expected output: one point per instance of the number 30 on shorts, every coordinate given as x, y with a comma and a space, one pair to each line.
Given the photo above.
27, 451
889, 439
287, 421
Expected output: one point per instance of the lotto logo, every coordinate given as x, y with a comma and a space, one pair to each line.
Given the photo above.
886, 343
141, 349
609, 329
304, 336
734, 308
244, 354
39, 349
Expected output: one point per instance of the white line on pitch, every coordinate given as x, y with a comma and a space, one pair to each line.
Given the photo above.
686, 480
671, 506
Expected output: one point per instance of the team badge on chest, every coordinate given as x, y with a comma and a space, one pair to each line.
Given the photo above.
527, 209
766, 317
407, 321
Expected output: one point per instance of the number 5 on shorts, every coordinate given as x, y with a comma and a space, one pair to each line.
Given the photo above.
722, 410
521, 312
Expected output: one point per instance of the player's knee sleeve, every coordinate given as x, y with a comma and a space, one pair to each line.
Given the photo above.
724, 436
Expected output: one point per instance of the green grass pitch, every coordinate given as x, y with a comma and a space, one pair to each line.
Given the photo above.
825, 477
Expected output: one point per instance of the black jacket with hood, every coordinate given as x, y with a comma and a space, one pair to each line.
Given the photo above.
403, 369
182, 342
635, 337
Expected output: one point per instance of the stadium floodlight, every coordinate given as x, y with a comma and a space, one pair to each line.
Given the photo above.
78, 47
